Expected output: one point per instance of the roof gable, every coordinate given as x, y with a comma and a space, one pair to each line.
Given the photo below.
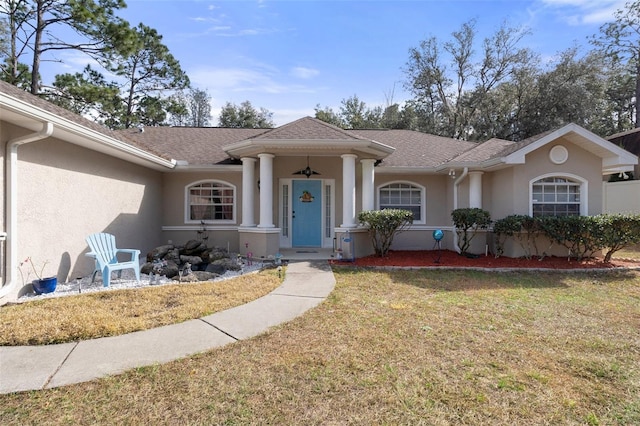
309, 136
614, 158
307, 128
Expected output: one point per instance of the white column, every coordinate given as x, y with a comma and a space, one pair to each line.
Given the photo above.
348, 190
266, 191
368, 191
475, 189
248, 182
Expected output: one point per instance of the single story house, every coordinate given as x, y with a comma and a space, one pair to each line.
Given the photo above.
299, 186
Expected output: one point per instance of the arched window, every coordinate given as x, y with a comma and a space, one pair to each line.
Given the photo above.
403, 195
210, 201
558, 196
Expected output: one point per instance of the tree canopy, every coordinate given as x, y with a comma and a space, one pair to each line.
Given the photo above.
35, 27
620, 41
192, 108
245, 116
471, 89
460, 86
143, 72
355, 114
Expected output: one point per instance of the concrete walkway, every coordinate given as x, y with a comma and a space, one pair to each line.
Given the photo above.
24, 368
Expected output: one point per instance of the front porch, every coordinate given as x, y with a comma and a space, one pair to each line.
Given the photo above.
298, 254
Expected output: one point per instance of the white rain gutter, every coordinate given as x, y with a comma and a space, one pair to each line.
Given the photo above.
11, 258
457, 182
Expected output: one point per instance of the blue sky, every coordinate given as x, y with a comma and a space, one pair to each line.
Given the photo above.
289, 56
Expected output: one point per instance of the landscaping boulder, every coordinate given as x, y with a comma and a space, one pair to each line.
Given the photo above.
195, 260
159, 252
220, 266
216, 253
194, 247
173, 255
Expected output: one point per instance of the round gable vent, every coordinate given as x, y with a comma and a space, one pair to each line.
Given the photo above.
558, 154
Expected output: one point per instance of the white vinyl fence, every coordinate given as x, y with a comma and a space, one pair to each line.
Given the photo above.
621, 197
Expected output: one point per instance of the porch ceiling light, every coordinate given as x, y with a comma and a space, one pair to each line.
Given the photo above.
306, 171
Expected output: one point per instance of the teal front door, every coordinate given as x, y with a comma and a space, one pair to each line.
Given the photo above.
306, 215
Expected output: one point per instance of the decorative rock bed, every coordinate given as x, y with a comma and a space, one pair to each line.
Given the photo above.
193, 261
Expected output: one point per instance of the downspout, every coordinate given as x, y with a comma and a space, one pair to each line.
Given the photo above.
457, 182
11, 221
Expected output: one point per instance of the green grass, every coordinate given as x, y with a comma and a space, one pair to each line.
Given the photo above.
402, 347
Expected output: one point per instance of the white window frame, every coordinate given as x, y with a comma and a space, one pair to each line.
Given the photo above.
423, 198
187, 201
583, 185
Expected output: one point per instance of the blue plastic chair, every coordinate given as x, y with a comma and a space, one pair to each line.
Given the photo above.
104, 252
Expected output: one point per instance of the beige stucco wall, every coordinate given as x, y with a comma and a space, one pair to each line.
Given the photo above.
66, 192
510, 187
174, 185
226, 234
437, 201
502, 193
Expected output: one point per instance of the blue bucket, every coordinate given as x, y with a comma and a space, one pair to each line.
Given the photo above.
45, 285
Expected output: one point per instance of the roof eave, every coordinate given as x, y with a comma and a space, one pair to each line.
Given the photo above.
183, 166
405, 170
77, 134
251, 148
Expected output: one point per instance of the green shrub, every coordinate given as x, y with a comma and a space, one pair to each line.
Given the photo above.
525, 229
467, 222
581, 235
383, 225
617, 232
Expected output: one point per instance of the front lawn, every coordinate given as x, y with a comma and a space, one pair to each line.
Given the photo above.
115, 312
404, 347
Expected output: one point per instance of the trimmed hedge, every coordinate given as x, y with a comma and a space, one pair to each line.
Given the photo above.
583, 236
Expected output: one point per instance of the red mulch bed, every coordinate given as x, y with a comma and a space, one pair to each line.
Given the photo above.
446, 258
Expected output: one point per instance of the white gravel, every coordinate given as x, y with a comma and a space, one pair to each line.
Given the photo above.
84, 285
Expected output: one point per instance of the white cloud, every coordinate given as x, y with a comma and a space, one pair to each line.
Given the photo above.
580, 12
303, 73
284, 116
229, 32
263, 80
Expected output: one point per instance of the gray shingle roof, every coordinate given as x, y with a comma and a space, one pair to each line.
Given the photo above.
483, 151
495, 148
307, 128
416, 149
202, 146
196, 145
